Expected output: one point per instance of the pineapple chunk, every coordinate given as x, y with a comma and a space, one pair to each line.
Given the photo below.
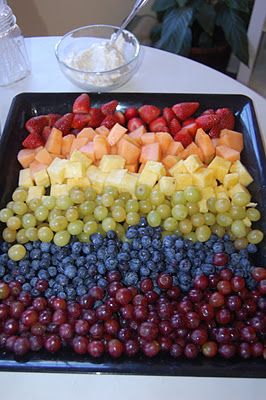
80, 182
167, 185
56, 170
110, 162
114, 178
129, 183
231, 180
182, 181
237, 189
244, 176
25, 178
73, 169
178, 168
156, 167
220, 167
42, 178
221, 192
58, 189
207, 192
35, 192
193, 163
148, 178
203, 177
81, 157
97, 178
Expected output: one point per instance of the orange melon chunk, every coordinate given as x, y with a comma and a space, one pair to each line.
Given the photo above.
215, 142
151, 151
192, 148
174, 149
25, 157
66, 144
205, 144
102, 130
101, 146
148, 138
43, 156
113, 150
165, 139
227, 153
54, 141
88, 149
132, 167
78, 143
35, 166
88, 133
231, 139
137, 133
116, 133
169, 161
141, 167
128, 149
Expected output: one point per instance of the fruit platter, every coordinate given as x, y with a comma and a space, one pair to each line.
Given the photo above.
132, 235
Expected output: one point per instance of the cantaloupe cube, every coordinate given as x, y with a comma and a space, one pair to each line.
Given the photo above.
113, 150
167, 185
54, 141
156, 167
148, 138
101, 146
97, 178
128, 150
56, 171
244, 176
137, 133
110, 162
231, 139
80, 182
192, 148
178, 168
43, 156
169, 161
35, 166
42, 178
73, 169
174, 149
25, 178
88, 133
115, 134
203, 177
182, 181
193, 163
150, 151
132, 167
205, 144
88, 150
57, 190
148, 178
35, 192
165, 139
25, 157
78, 143
220, 167
66, 144
114, 178
129, 183
227, 153
102, 130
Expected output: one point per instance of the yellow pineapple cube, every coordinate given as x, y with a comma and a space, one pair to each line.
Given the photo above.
58, 189
208, 192
25, 178
110, 162
97, 178
129, 183
230, 180
42, 178
178, 168
114, 178
35, 192
244, 176
203, 177
80, 182
74, 169
156, 167
56, 171
182, 181
220, 167
167, 185
221, 192
148, 178
193, 163
81, 157
237, 189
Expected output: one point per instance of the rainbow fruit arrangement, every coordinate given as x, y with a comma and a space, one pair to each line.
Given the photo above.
131, 232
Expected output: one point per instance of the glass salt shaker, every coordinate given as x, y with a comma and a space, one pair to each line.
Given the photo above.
14, 62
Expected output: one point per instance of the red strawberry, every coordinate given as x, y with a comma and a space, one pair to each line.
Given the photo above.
53, 118
174, 126
159, 125
109, 108
148, 113
184, 137
80, 120
131, 112
134, 123
109, 121
185, 110
168, 114
209, 111
227, 119
64, 123
207, 121
214, 133
46, 132
121, 117
82, 104
75, 131
188, 121
96, 117
36, 124
32, 141
192, 129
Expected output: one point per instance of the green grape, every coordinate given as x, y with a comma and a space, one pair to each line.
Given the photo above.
237, 212
191, 236
197, 219
170, 224
28, 221
211, 204
107, 200
238, 229
179, 212
63, 202
16, 252
58, 224
132, 218
90, 227
154, 219
203, 233
49, 202
192, 194
14, 223
218, 230
5, 214
21, 236
166, 233
164, 211
253, 214
108, 224
19, 195
157, 197
90, 194
75, 228
125, 196
20, 208
119, 202
145, 206
224, 219
185, 226
77, 196
54, 213
209, 218
62, 238
72, 214
34, 204
100, 213
241, 198
168, 203
120, 231
87, 208
41, 213
178, 198
32, 234
255, 236
84, 237
98, 200
119, 213
132, 205
45, 234
222, 205
9, 235
88, 218
142, 192
241, 243
10, 205
112, 191
193, 208
100, 230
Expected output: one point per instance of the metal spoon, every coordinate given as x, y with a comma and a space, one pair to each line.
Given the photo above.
137, 6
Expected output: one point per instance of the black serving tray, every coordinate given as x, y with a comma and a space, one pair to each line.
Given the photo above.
26, 105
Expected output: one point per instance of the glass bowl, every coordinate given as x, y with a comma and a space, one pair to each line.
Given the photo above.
86, 69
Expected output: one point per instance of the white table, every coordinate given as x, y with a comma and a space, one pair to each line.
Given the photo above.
160, 72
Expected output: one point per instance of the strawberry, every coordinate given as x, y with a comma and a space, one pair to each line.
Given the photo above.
188, 121
192, 129
168, 114
121, 117
82, 104
227, 118
148, 113
36, 124
159, 125
185, 110
52, 118
174, 126
184, 137
80, 120
46, 132
64, 123
134, 123
109, 121
208, 111
32, 141
214, 133
207, 121
96, 117
131, 112
109, 108
75, 131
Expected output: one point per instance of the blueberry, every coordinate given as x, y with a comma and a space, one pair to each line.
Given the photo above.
87, 248
91, 258
54, 249
49, 293
81, 290
33, 281
134, 254
11, 264
169, 253
51, 282
179, 256
70, 271
126, 247
24, 267
122, 256
8, 278
67, 260
101, 268
62, 253
2, 271
201, 255
77, 281
92, 270
198, 245
76, 247
62, 295
239, 272
35, 265
191, 253
229, 248
170, 269
123, 266
96, 239
141, 231
218, 247
143, 221
62, 280
82, 272
208, 269
168, 241
235, 258
157, 244
154, 275
44, 264
3, 259
196, 262
146, 241
111, 234
226, 237
156, 256
5, 246
160, 266
151, 265
35, 292
26, 287
55, 261
20, 278
111, 250
102, 283
144, 255
243, 252
252, 248
197, 271
132, 232
28, 246
43, 274
136, 244
185, 279
144, 271
131, 279
244, 263
80, 261
134, 264
101, 253
45, 247
111, 263
35, 254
